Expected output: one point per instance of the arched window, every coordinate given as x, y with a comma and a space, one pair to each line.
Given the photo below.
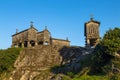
32, 42
25, 43
20, 44
40, 43
15, 45
46, 43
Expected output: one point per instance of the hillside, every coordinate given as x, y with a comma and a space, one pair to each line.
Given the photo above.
47, 62
38, 63
33, 61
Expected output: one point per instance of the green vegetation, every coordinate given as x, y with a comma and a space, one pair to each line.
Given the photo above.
106, 54
92, 78
104, 62
111, 41
7, 59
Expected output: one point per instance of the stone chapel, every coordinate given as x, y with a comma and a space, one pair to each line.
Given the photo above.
31, 37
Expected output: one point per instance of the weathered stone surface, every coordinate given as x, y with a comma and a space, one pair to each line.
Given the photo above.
34, 63
31, 37
72, 58
91, 29
33, 60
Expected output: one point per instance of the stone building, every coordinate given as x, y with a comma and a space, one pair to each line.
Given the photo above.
31, 37
91, 32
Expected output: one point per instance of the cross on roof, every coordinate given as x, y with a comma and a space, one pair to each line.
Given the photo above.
31, 24
16, 30
91, 16
45, 27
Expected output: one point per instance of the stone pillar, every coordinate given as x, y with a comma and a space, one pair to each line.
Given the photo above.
36, 43
97, 41
88, 42
29, 45
22, 45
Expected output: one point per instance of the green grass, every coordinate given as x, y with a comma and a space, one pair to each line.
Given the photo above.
86, 77
7, 59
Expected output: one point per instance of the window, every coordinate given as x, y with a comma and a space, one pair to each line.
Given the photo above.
40, 43
20, 44
32, 42
46, 43
25, 43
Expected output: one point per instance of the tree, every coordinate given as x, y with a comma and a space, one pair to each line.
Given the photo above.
111, 41
104, 55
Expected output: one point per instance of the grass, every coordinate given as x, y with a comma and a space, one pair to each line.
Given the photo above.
7, 59
87, 77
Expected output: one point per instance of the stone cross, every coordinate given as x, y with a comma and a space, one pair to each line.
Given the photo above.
31, 23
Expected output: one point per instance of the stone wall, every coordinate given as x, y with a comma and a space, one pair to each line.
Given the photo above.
32, 34
92, 33
60, 42
92, 30
31, 37
19, 38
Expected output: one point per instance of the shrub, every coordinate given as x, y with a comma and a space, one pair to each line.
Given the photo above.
7, 58
104, 55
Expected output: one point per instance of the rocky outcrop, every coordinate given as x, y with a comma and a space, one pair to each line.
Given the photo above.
72, 57
32, 61
35, 63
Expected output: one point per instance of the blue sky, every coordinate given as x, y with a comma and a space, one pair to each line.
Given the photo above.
64, 18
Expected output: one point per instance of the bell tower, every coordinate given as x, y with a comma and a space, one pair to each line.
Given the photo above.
91, 32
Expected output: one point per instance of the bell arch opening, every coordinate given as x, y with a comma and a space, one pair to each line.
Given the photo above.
32, 42
25, 43
40, 43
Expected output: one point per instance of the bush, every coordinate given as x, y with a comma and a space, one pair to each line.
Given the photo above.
7, 58
70, 74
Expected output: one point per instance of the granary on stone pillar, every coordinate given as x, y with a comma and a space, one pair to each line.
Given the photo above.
91, 32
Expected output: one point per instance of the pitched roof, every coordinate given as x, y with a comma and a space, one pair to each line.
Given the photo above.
24, 31
92, 20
